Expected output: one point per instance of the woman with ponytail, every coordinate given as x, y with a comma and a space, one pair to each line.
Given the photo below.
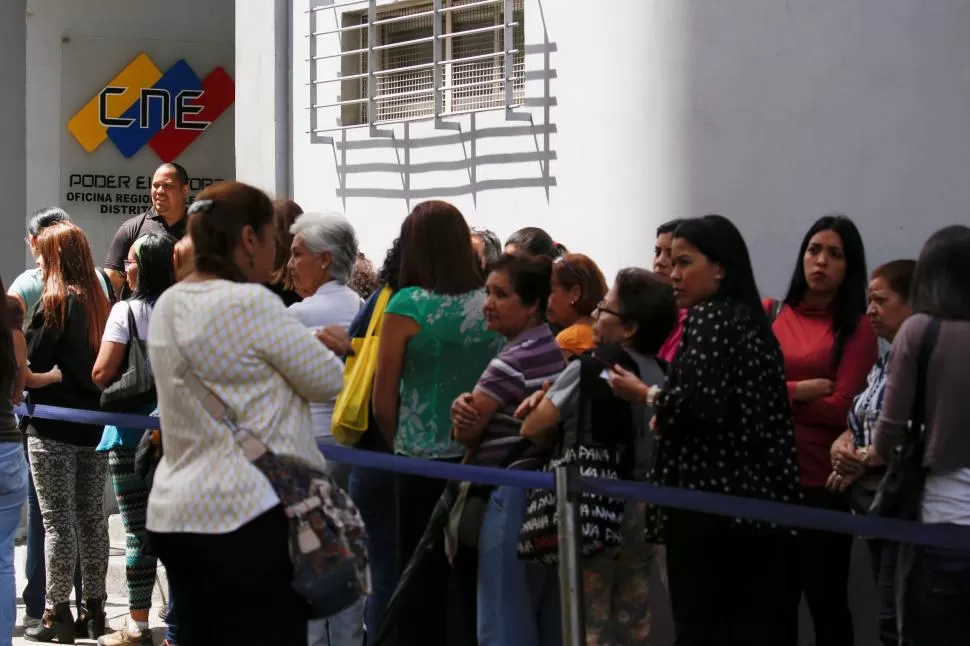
213, 519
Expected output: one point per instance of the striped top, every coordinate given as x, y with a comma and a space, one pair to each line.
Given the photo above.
520, 369
866, 406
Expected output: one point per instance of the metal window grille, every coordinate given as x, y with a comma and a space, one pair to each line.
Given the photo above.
408, 61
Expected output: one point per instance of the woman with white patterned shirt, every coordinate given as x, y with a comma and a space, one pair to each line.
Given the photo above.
214, 519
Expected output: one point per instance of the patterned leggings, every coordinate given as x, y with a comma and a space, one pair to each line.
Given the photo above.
70, 492
132, 495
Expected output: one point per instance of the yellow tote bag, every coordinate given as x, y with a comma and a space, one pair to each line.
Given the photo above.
352, 410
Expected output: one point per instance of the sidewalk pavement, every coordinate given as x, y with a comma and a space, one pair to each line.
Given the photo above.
117, 605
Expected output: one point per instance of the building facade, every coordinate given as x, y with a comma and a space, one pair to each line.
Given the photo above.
597, 121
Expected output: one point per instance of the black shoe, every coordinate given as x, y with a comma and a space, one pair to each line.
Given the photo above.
95, 620
57, 623
81, 623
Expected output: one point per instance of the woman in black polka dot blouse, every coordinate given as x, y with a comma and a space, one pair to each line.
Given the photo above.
724, 425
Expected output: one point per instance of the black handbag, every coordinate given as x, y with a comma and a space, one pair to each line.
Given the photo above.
465, 520
136, 385
900, 492
604, 429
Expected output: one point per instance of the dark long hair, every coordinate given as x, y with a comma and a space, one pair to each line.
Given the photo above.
536, 242
941, 282
850, 300
69, 270
436, 250
216, 222
156, 267
717, 238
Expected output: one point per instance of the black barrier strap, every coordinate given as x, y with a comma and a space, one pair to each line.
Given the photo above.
787, 515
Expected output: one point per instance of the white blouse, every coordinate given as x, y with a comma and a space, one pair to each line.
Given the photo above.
332, 304
259, 359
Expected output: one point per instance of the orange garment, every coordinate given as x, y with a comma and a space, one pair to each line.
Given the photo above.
577, 338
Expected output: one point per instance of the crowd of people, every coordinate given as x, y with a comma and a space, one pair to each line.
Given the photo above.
517, 356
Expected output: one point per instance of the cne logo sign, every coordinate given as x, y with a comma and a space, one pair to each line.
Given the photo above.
141, 105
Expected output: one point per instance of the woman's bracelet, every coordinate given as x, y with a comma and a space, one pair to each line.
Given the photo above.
650, 398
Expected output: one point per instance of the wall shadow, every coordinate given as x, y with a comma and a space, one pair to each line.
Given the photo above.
458, 143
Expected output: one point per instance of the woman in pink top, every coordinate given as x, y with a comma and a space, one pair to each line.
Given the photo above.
662, 266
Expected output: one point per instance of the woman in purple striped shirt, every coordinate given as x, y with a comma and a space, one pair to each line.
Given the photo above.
517, 602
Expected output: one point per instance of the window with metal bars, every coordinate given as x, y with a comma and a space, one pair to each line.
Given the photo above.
471, 60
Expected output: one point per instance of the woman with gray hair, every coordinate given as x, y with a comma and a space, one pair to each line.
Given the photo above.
322, 258
487, 245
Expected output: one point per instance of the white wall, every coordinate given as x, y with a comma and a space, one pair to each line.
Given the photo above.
12, 117
49, 22
772, 113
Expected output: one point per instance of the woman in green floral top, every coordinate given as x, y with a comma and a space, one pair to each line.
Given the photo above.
434, 346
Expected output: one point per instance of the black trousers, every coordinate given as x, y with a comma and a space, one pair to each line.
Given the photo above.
215, 577
422, 618
727, 584
819, 567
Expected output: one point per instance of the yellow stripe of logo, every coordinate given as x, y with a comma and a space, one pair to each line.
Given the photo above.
86, 124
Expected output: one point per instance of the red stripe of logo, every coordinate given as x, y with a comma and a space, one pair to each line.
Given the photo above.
219, 93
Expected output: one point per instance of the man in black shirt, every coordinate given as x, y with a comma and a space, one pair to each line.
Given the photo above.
170, 189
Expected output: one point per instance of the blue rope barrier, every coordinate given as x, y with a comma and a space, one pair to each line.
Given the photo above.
788, 515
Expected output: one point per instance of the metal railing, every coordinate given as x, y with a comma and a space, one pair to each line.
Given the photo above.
409, 62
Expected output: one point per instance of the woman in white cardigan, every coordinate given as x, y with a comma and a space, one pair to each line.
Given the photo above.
214, 519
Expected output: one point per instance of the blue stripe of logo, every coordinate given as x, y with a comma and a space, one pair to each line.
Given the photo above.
130, 139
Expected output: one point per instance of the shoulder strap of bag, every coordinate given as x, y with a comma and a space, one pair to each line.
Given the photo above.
377, 317
927, 345
132, 325
112, 299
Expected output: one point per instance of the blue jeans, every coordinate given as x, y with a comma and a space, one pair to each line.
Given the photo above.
13, 493
373, 491
171, 633
34, 594
518, 602
343, 629
939, 597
